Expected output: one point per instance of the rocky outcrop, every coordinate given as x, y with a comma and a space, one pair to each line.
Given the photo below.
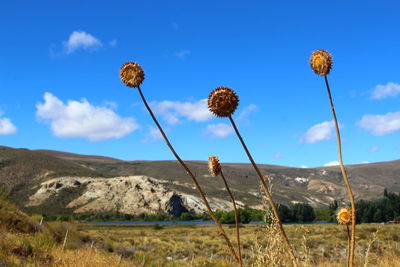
129, 195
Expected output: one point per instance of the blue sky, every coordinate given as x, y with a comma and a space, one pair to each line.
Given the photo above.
59, 78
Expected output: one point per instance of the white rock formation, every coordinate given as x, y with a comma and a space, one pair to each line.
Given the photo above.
129, 195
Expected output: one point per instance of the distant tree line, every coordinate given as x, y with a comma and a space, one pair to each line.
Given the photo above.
299, 212
384, 209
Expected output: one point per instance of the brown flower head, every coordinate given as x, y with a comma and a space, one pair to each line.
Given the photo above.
321, 62
214, 166
223, 101
343, 216
131, 74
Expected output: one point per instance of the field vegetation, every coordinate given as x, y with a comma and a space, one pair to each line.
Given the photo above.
24, 242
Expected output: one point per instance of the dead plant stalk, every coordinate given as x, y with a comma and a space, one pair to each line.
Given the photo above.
236, 218
346, 180
198, 188
269, 196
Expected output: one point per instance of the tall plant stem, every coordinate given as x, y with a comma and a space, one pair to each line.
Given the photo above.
199, 190
348, 244
269, 196
236, 218
346, 181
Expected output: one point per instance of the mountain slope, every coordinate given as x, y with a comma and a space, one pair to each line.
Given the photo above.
26, 171
21, 170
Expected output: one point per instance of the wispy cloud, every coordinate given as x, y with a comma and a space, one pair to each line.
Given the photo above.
332, 163
373, 149
182, 53
175, 111
81, 40
83, 120
175, 26
245, 113
278, 155
6, 126
220, 130
385, 91
153, 134
381, 124
78, 40
113, 43
319, 132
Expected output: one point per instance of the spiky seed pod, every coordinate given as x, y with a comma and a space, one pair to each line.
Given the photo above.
223, 101
321, 62
131, 74
214, 166
343, 216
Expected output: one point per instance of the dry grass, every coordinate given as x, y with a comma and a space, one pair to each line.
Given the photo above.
316, 245
22, 243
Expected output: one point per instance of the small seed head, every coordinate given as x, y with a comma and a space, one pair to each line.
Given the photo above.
214, 166
343, 216
223, 101
321, 62
131, 74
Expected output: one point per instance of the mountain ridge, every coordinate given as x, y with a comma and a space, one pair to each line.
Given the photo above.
24, 171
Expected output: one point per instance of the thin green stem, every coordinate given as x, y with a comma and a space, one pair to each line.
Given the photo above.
198, 188
346, 180
269, 196
236, 218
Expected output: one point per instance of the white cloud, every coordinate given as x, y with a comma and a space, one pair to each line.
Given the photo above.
113, 43
174, 112
278, 155
6, 126
373, 149
220, 130
81, 119
385, 91
153, 134
332, 163
182, 53
319, 132
245, 113
81, 40
381, 124
303, 166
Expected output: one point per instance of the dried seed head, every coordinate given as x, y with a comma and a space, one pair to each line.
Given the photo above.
131, 74
343, 216
223, 101
214, 166
321, 62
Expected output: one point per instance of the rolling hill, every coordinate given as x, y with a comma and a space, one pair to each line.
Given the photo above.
26, 173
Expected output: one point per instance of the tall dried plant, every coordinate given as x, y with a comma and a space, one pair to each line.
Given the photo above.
321, 64
222, 102
132, 75
215, 170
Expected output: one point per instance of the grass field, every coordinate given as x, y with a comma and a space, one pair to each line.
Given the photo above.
201, 245
315, 245
23, 242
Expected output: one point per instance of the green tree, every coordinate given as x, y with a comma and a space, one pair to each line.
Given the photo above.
303, 212
285, 213
228, 217
186, 216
